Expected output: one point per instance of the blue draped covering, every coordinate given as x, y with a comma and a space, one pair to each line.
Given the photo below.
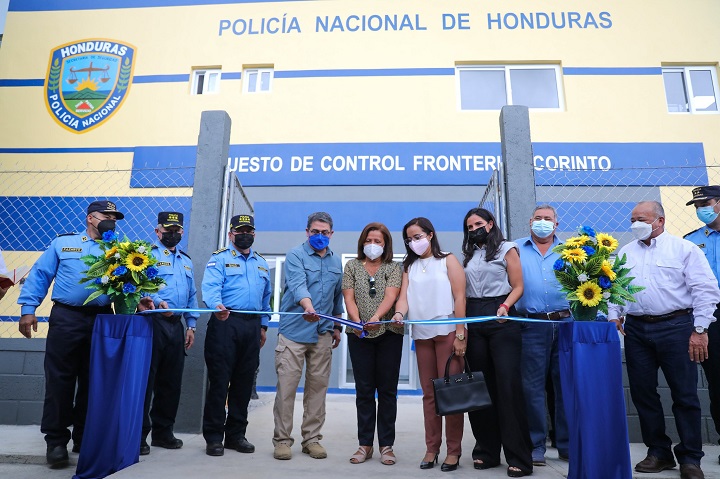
119, 363
591, 376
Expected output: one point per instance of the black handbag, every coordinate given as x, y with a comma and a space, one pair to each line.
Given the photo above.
460, 393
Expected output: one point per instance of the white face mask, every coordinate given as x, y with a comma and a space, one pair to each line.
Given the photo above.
542, 228
642, 230
420, 246
373, 251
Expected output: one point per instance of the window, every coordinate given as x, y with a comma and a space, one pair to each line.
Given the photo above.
258, 80
691, 89
492, 87
206, 81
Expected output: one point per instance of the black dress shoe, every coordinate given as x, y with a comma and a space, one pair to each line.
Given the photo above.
76, 448
144, 448
653, 464
240, 445
214, 449
57, 456
445, 467
429, 464
691, 471
169, 443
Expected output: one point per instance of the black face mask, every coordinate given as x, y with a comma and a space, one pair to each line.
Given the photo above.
170, 239
105, 225
478, 236
244, 240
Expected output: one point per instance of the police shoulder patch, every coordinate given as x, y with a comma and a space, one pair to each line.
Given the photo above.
211, 264
220, 251
185, 254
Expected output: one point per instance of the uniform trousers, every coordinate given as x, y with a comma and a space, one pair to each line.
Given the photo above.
432, 356
165, 377
376, 368
232, 354
664, 345
67, 369
496, 349
711, 366
290, 358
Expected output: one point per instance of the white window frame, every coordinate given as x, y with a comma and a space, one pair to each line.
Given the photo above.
259, 72
206, 72
685, 70
508, 84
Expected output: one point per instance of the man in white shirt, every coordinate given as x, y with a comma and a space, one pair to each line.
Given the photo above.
666, 328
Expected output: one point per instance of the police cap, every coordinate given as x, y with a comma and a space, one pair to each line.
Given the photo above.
242, 220
702, 193
105, 206
170, 218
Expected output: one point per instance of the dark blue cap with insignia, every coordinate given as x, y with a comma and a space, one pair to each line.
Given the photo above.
105, 206
170, 218
702, 193
238, 221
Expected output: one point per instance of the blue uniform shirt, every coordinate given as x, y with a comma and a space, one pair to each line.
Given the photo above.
179, 291
237, 282
61, 262
708, 240
308, 275
542, 292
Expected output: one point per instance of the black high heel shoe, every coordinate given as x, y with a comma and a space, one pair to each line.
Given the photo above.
450, 467
429, 464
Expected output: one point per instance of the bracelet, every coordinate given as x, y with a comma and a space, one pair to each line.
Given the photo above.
503, 305
398, 312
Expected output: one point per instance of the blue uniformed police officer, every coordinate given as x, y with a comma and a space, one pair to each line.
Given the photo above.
67, 349
170, 338
706, 200
236, 278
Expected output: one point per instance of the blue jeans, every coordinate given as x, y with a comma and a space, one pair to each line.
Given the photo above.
664, 345
540, 360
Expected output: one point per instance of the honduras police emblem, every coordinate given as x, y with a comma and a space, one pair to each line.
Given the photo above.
87, 82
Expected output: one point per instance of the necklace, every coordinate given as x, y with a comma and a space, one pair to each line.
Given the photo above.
424, 265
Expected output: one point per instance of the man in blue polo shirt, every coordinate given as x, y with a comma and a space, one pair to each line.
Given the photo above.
542, 299
313, 284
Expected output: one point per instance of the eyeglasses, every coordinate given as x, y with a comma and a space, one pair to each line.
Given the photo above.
318, 232
417, 237
373, 291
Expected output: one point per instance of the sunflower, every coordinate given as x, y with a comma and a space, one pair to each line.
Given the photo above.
589, 294
136, 262
111, 251
607, 241
576, 241
607, 270
574, 255
111, 269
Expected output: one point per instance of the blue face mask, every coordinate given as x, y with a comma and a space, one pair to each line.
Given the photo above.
319, 242
543, 228
706, 214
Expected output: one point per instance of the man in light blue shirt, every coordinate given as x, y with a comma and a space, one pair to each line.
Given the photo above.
313, 284
542, 299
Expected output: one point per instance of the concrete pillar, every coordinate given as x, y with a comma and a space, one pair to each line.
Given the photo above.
203, 231
519, 171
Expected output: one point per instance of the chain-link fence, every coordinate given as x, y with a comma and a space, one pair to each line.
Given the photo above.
41, 200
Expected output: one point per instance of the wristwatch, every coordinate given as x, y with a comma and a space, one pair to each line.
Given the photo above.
700, 330
191, 328
460, 336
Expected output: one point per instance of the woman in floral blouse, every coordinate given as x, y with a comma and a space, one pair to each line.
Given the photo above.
371, 284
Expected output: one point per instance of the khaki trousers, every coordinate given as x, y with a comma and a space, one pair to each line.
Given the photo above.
290, 357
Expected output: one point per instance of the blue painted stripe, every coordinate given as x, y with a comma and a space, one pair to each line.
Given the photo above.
179, 78
172, 167
105, 149
44, 217
53, 5
612, 71
231, 76
365, 72
12, 82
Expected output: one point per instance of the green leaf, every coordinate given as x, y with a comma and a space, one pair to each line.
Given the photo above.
136, 279
566, 280
96, 294
594, 265
603, 307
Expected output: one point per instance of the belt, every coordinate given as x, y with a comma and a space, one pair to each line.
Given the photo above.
86, 309
648, 318
552, 316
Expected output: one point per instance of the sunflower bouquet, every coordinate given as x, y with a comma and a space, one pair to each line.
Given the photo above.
589, 277
125, 272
